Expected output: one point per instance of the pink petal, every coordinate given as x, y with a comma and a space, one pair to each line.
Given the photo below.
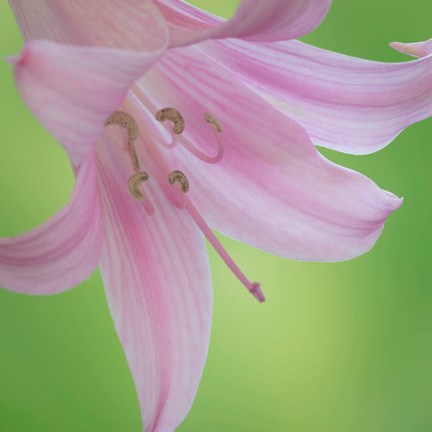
257, 20
63, 251
157, 280
417, 49
272, 189
125, 24
345, 103
72, 90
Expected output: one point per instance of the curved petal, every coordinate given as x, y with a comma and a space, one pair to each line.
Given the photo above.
62, 252
344, 103
416, 49
257, 20
72, 90
272, 189
158, 285
125, 24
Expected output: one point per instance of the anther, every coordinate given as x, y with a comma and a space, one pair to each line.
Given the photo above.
134, 183
126, 121
211, 119
174, 116
179, 177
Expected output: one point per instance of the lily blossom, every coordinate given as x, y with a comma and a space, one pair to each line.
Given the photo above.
177, 122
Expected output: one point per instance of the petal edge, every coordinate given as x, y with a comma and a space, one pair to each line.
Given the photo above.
62, 252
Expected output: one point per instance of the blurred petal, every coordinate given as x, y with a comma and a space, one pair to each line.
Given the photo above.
126, 24
257, 20
272, 189
156, 275
417, 49
345, 103
63, 251
73, 90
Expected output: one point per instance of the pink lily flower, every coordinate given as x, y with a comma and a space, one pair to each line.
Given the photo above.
176, 121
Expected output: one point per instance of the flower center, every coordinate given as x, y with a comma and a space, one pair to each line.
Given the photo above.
178, 195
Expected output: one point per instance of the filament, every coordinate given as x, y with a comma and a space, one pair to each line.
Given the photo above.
253, 287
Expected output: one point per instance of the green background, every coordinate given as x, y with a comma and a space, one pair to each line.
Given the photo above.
337, 347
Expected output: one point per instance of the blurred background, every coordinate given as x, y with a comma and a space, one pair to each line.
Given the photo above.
337, 347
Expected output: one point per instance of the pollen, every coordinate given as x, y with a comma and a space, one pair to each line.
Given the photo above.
174, 116
134, 183
211, 119
126, 121
179, 177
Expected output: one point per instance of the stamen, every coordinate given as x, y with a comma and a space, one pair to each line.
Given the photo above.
179, 177
174, 116
126, 121
181, 201
178, 121
253, 287
212, 120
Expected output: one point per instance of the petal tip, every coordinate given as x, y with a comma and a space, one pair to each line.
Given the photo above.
395, 45
418, 49
397, 202
400, 202
399, 46
391, 201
